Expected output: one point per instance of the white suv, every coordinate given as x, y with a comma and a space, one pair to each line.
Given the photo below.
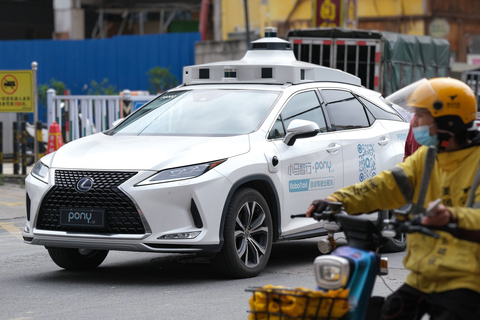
215, 166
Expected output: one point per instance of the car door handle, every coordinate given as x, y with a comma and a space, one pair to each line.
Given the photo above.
383, 141
334, 148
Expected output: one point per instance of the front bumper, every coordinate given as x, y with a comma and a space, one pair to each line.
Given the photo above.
163, 209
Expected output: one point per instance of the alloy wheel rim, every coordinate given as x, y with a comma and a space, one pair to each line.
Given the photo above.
251, 234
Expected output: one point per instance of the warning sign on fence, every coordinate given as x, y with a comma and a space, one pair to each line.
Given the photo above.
16, 93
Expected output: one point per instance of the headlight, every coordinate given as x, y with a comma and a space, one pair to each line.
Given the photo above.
331, 272
180, 173
40, 171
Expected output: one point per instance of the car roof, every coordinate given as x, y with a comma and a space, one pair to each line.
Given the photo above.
277, 87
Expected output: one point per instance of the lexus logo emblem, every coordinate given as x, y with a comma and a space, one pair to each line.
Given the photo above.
84, 184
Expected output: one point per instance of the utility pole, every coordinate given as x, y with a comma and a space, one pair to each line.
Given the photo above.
246, 23
35, 109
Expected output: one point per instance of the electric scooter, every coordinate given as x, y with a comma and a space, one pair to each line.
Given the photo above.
351, 269
356, 265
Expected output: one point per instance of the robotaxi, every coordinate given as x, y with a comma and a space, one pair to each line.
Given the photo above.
215, 166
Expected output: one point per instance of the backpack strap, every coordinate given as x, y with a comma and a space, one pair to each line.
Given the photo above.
476, 181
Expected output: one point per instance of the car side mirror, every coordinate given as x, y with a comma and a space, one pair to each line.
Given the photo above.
117, 122
298, 129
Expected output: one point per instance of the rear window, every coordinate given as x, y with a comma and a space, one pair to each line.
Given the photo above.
345, 111
380, 113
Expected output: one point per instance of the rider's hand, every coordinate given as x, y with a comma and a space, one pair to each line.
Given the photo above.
318, 206
440, 216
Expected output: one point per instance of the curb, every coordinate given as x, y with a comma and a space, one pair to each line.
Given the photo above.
12, 178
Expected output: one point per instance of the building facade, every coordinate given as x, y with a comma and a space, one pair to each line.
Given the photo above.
454, 20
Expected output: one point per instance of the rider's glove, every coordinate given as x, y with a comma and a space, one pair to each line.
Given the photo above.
320, 205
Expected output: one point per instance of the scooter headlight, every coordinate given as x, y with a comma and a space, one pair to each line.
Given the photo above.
331, 272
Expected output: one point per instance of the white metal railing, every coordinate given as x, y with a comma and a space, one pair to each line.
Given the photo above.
88, 114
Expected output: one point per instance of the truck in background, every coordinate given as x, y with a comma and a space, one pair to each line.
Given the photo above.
472, 79
384, 61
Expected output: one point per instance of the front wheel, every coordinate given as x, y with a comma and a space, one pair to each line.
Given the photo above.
77, 259
247, 236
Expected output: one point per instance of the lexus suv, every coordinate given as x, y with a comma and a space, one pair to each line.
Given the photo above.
215, 166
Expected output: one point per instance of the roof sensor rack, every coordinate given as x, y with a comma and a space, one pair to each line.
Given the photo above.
269, 61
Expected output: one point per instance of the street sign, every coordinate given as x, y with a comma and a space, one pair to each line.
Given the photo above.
16, 92
439, 28
138, 104
335, 13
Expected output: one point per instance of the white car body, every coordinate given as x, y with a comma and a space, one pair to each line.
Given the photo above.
189, 215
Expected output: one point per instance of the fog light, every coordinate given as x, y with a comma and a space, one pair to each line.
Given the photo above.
26, 229
183, 235
324, 246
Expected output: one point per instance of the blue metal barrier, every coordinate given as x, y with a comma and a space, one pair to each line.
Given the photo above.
123, 60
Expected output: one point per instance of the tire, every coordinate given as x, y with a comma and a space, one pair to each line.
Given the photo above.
397, 244
374, 309
247, 234
77, 259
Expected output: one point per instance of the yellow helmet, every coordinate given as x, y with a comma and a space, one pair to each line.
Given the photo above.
450, 101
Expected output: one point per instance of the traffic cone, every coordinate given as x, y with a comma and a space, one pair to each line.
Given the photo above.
55, 140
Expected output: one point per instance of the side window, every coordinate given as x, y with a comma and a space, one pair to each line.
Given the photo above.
378, 112
345, 111
304, 106
277, 131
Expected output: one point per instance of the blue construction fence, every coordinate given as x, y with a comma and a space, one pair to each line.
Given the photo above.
123, 60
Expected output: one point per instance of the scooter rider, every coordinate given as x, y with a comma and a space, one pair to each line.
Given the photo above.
444, 278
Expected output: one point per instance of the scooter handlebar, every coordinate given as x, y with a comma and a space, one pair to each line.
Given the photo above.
326, 215
302, 215
423, 230
416, 226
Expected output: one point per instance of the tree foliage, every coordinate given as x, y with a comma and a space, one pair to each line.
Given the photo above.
102, 88
58, 86
161, 79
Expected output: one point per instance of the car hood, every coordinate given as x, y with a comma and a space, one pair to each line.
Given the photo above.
103, 152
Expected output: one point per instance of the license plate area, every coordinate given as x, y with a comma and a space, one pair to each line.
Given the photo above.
81, 217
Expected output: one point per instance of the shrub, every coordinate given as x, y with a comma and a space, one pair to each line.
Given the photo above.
161, 79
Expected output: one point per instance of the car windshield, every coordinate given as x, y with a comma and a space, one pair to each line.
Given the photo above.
200, 112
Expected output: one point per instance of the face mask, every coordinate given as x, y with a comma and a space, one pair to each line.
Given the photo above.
423, 137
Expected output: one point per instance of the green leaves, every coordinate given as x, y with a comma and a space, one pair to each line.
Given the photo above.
161, 79
102, 88
58, 86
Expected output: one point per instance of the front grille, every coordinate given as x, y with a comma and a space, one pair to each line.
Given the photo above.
121, 215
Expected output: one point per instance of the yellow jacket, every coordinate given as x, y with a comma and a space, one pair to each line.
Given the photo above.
441, 264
